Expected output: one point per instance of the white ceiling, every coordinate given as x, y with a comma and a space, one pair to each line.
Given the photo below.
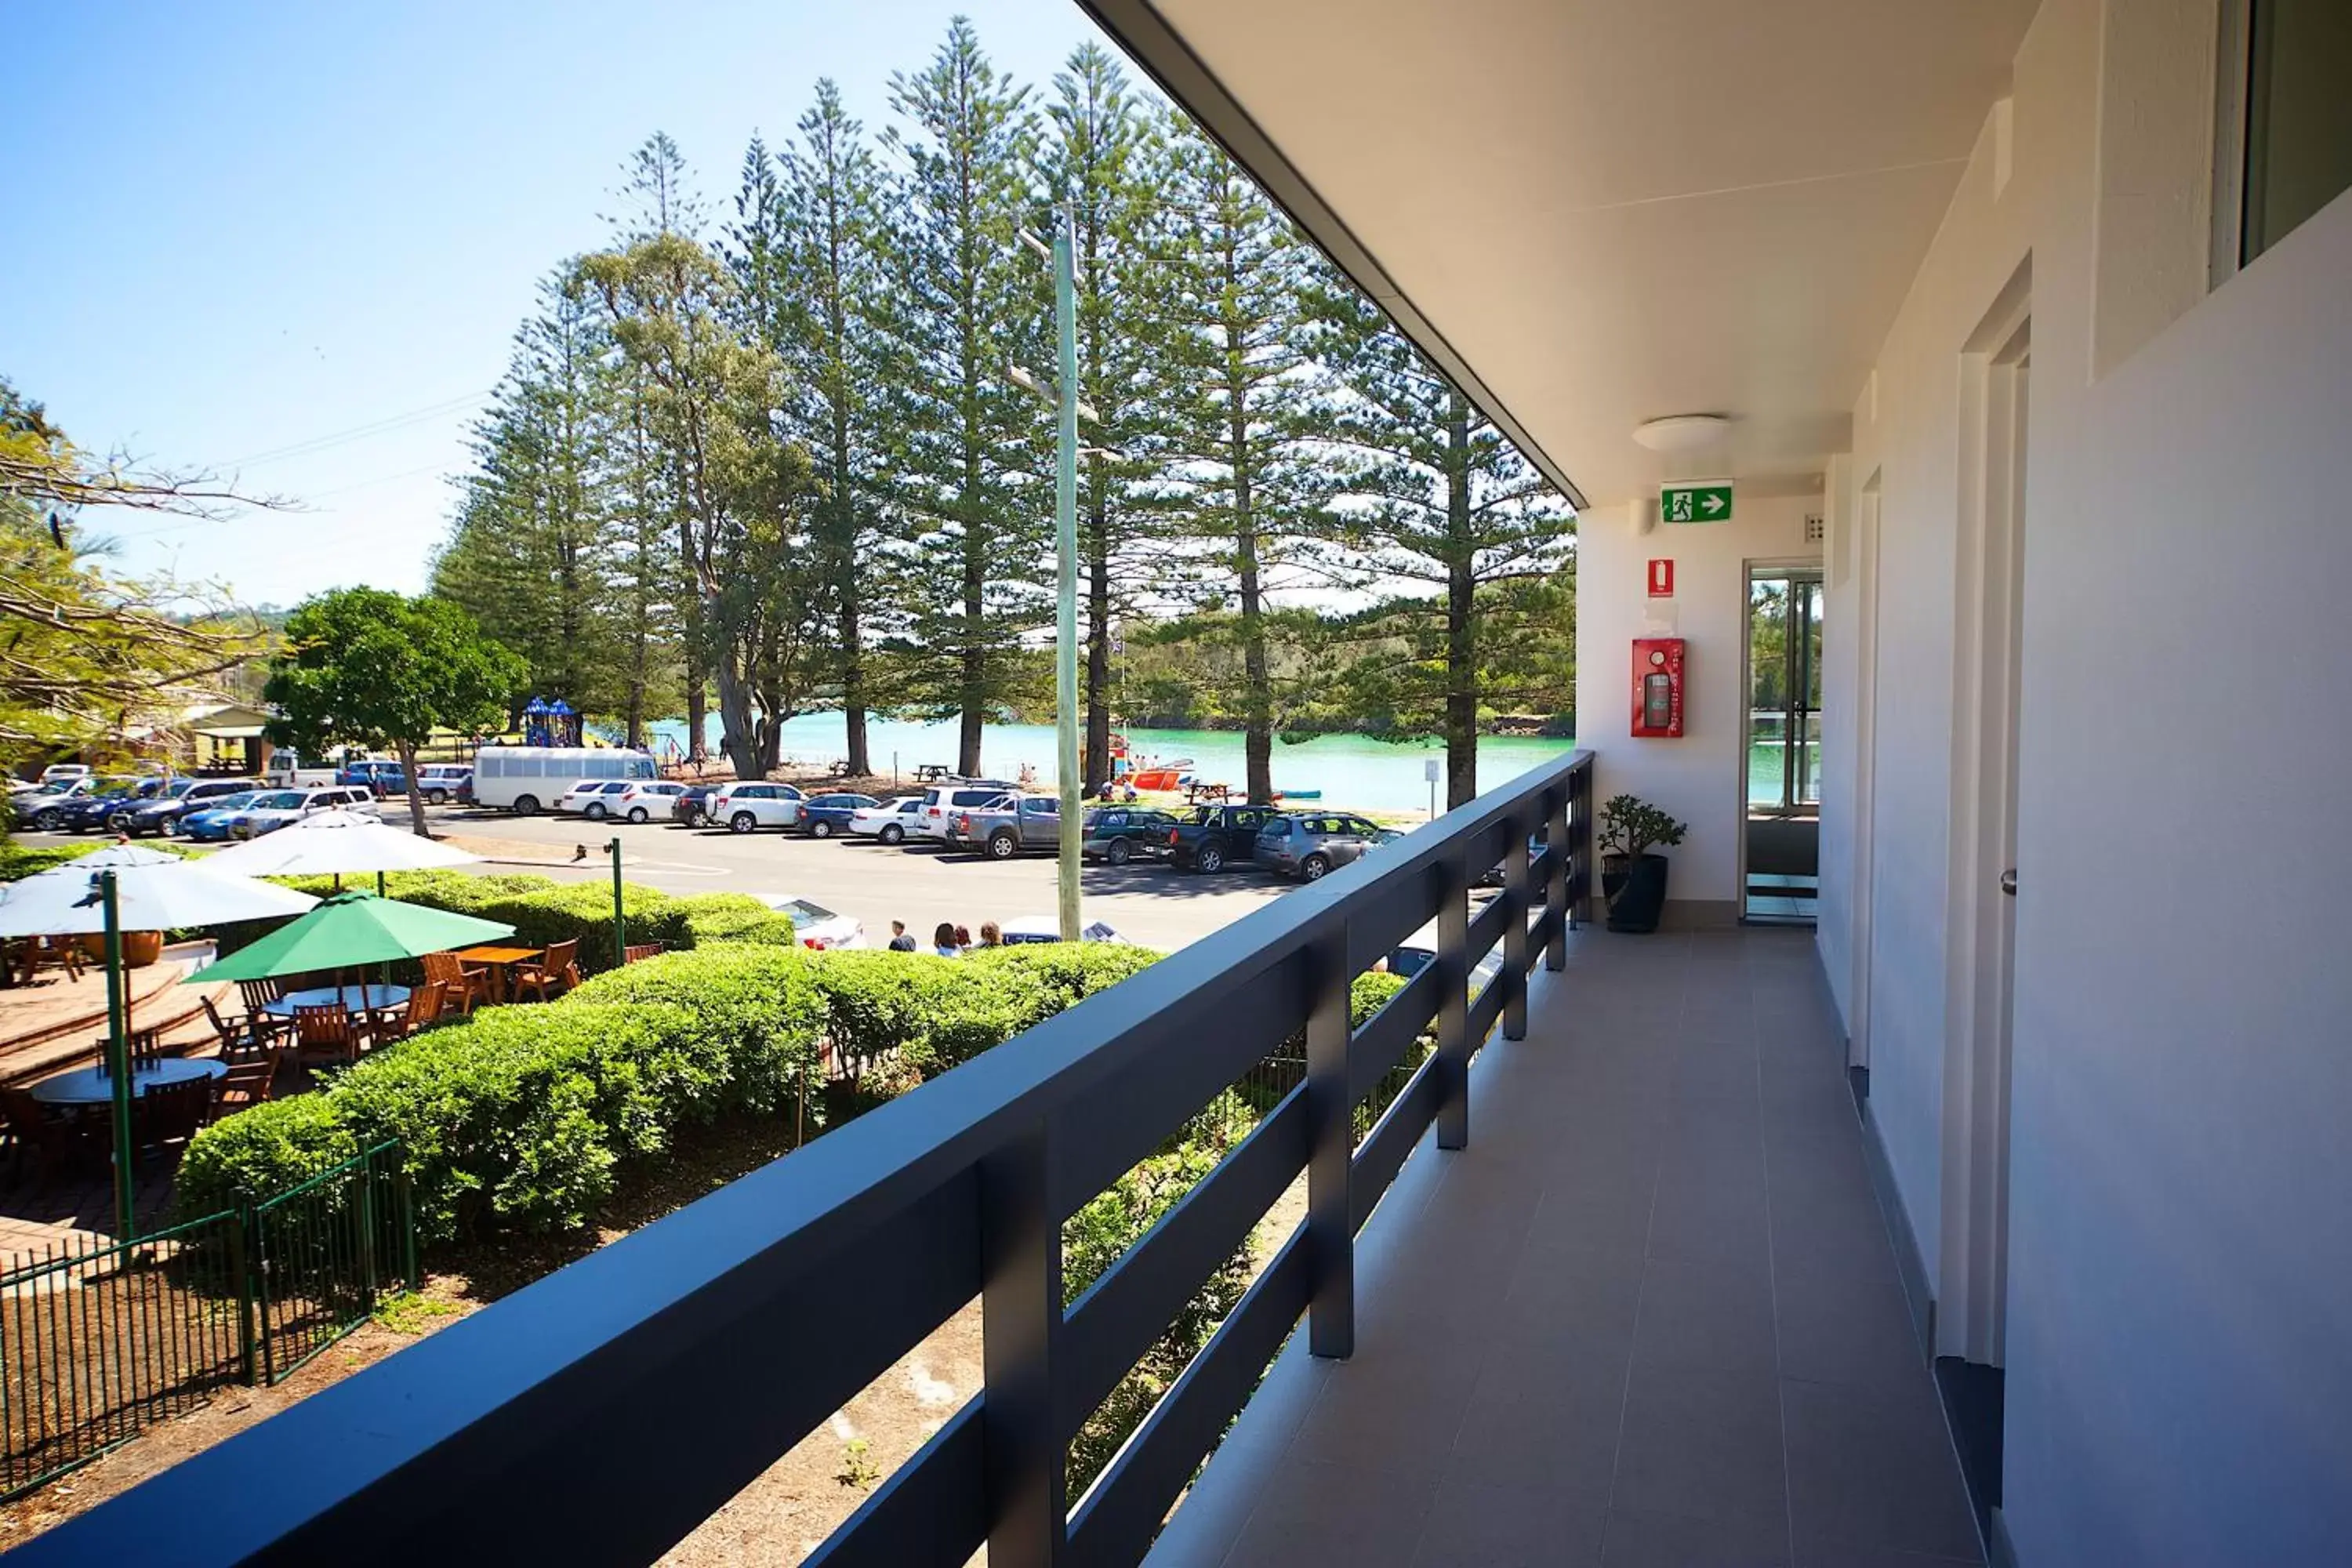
1611, 210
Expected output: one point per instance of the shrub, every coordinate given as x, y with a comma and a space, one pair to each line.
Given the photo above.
760, 1022
1055, 975
731, 917
263, 1151
933, 1012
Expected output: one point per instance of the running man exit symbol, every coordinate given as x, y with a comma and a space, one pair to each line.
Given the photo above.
1662, 579
1700, 501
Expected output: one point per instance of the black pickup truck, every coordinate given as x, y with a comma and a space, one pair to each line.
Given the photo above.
1213, 836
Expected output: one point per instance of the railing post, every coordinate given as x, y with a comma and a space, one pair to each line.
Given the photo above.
1021, 1318
406, 1194
241, 1219
1453, 1005
368, 1238
1556, 902
1517, 955
1330, 1130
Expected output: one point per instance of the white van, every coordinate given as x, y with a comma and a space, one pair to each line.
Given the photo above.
523, 779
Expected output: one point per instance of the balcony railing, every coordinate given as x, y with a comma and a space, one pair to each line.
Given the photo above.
603, 1413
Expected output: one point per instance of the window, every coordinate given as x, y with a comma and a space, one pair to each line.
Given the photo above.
2286, 130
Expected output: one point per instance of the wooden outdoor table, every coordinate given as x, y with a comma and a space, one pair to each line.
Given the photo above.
87, 1085
354, 998
498, 961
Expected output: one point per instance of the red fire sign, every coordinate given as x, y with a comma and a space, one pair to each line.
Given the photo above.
1662, 579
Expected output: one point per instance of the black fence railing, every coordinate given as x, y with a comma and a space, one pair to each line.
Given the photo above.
601, 1414
100, 1341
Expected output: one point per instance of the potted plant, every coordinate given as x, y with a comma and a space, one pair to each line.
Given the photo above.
1632, 879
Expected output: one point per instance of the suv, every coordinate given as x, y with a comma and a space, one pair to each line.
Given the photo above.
179, 796
744, 807
1120, 832
380, 775
1214, 837
823, 816
88, 813
642, 800
210, 819
691, 805
1307, 844
279, 807
1016, 823
440, 782
942, 802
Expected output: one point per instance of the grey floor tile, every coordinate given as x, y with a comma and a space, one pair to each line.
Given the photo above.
1702, 1443
1867, 1469
1396, 1412
1837, 1555
1634, 1539
1709, 1314
1850, 1332
1550, 1428
1320, 1512
1568, 1300
1713, 1210
1473, 1524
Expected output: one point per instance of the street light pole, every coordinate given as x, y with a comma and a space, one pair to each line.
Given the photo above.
1066, 530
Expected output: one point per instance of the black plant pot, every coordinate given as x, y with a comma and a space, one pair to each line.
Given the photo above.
1636, 890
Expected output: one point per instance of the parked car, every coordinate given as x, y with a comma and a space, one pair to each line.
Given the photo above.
1024, 929
88, 813
1419, 950
889, 821
44, 809
157, 815
592, 798
642, 800
276, 809
942, 801
439, 782
1008, 825
1306, 844
209, 821
380, 776
692, 806
744, 807
1214, 837
814, 925
59, 774
1120, 832
823, 816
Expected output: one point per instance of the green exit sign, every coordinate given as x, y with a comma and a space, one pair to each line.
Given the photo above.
1701, 501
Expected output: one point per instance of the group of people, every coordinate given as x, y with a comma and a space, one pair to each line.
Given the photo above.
949, 941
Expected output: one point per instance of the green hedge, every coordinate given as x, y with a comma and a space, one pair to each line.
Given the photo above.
937, 1012
519, 1116
544, 911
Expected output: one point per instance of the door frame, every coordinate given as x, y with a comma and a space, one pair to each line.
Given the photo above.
1971, 1321
1811, 565
1864, 728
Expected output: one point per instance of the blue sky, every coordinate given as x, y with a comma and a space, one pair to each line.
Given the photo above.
272, 227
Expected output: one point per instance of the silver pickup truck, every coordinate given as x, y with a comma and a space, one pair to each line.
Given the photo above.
1011, 825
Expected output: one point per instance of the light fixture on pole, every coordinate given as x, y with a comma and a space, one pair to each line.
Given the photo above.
1068, 408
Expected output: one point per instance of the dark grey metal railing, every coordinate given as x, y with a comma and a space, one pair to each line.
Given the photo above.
599, 1415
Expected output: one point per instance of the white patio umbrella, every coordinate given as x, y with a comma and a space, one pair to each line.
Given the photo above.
336, 843
130, 888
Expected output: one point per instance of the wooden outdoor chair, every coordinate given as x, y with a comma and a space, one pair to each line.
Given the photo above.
43, 1135
248, 1083
424, 1004
54, 952
240, 1041
560, 968
464, 986
637, 952
326, 1034
172, 1113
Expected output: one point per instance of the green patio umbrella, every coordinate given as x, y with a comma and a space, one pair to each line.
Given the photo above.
350, 931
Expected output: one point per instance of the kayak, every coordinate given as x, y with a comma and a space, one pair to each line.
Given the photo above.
1298, 794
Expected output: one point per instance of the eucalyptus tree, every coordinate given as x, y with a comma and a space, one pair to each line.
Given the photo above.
965, 302
1242, 415
1434, 507
1096, 165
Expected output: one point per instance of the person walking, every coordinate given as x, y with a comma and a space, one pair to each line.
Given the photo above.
943, 942
899, 940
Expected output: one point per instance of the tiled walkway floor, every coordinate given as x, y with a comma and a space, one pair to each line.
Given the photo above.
1649, 1316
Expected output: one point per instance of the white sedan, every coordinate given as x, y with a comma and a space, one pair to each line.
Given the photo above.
813, 924
890, 822
594, 799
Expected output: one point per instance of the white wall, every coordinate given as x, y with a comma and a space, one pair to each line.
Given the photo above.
2180, 1381
1696, 775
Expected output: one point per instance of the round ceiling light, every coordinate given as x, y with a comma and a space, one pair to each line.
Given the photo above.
1682, 432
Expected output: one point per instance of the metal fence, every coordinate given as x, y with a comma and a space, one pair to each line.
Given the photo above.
100, 1340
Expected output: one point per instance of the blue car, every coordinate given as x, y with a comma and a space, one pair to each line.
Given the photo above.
823, 816
213, 823
383, 777
91, 812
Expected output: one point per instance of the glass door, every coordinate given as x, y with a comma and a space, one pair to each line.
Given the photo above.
1784, 743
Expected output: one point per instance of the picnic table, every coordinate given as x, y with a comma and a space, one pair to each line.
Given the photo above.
926, 773
1195, 793
498, 959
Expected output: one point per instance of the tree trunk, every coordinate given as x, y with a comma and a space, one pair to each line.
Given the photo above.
1098, 755
1461, 615
415, 794
1257, 696
853, 650
974, 670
